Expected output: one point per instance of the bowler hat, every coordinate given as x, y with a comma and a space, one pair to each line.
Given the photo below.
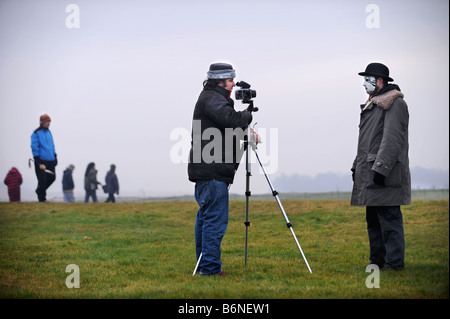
377, 70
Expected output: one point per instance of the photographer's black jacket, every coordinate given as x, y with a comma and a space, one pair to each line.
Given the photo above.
215, 110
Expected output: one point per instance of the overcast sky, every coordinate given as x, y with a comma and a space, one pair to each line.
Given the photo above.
121, 87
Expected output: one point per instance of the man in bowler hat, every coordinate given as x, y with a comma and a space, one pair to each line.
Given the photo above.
381, 174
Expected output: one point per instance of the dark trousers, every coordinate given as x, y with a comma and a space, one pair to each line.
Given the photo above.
110, 198
386, 236
44, 179
91, 193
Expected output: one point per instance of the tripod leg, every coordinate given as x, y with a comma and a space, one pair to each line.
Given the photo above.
300, 248
247, 223
247, 195
198, 263
275, 194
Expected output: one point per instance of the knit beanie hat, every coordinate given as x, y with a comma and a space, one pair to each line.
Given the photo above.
221, 71
44, 118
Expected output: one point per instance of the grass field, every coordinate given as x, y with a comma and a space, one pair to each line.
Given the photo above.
146, 250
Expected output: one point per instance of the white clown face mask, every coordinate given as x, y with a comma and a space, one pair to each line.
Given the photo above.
370, 84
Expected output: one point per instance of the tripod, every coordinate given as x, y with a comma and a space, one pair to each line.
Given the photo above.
274, 193
247, 145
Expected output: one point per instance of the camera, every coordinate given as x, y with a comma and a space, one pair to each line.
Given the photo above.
245, 93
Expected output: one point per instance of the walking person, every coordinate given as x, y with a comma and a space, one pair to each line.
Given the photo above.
45, 159
91, 183
112, 184
13, 180
211, 169
381, 173
68, 184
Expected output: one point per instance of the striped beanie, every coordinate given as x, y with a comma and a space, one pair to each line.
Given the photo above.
221, 71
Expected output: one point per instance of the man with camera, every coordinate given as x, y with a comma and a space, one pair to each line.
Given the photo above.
213, 160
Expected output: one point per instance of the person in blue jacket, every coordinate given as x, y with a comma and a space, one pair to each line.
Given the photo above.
44, 155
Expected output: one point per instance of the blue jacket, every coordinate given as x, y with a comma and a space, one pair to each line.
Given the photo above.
42, 145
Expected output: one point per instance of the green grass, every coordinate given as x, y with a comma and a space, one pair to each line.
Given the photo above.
146, 250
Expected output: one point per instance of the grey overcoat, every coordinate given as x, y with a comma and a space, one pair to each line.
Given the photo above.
383, 148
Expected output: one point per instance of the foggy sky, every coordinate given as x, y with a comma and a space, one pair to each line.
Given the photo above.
128, 78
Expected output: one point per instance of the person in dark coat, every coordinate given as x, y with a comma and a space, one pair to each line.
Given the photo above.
91, 183
381, 175
68, 184
112, 184
212, 169
13, 180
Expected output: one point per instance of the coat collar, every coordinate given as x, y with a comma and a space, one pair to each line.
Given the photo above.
384, 100
222, 91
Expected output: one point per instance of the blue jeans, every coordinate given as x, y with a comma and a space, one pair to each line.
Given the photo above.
211, 224
68, 197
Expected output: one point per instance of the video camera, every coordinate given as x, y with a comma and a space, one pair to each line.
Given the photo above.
245, 93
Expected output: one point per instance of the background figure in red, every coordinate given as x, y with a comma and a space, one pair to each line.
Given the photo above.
13, 180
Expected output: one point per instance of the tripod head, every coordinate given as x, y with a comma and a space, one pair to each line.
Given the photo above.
251, 108
246, 94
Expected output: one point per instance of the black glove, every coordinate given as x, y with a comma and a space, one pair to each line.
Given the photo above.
378, 179
56, 160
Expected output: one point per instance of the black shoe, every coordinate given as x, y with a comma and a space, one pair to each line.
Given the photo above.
220, 274
390, 267
380, 266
